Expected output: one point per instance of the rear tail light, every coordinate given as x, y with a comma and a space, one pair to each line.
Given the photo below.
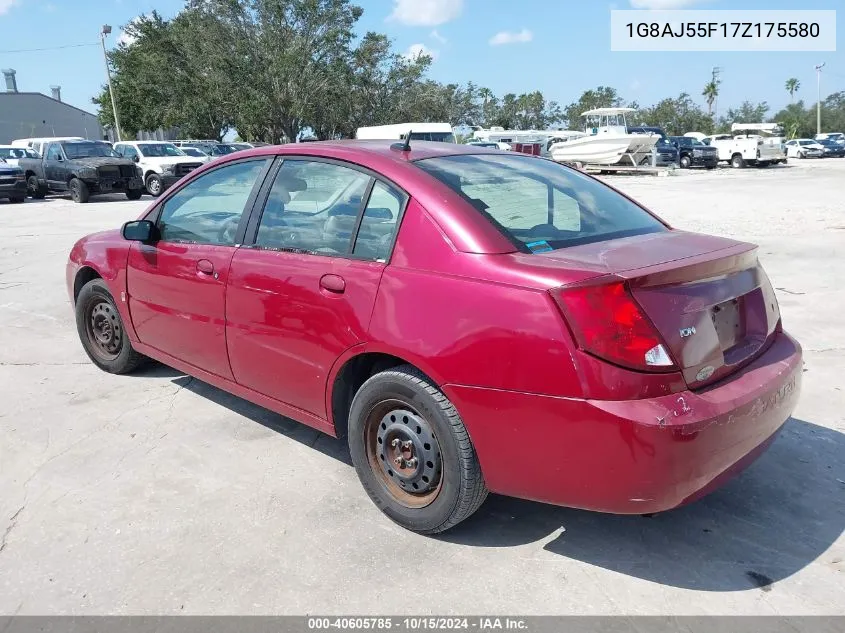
608, 323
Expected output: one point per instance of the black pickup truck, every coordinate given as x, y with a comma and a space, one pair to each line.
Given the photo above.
84, 168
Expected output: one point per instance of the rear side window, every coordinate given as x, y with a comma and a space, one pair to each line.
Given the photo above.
539, 204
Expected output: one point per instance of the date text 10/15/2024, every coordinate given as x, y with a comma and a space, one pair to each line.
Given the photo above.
417, 623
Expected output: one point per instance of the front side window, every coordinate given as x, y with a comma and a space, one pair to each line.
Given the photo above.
312, 207
54, 153
208, 209
539, 204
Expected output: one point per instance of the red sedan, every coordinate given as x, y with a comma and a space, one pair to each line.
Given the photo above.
469, 319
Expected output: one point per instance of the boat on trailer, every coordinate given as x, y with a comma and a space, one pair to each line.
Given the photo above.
605, 141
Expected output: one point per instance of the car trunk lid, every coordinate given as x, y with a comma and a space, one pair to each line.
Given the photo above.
708, 297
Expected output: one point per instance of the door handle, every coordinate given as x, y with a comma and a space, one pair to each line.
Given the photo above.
333, 283
205, 267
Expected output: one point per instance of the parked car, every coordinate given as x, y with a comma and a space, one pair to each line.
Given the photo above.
667, 153
162, 164
12, 182
832, 149
694, 153
804, 148
468, 319
11, 154
194, 152
212, 148
836, 137
84, 168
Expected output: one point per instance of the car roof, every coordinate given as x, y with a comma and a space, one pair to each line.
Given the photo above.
420, 150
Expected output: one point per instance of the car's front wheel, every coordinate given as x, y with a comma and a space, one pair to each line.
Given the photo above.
102, 332
79, 190
154, 185
35, 189
686, 163
412, 452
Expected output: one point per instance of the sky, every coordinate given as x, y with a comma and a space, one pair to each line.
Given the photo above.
560, 47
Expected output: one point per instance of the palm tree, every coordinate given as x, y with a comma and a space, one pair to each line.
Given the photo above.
710, 93
487, 95
792, 86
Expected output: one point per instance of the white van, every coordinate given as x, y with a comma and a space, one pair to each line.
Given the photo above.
441, 132
38, 143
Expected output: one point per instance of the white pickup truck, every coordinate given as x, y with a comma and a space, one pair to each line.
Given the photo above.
161, 162
746, 149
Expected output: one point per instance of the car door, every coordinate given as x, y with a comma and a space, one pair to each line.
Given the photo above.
54, 166
302, 292
177, 284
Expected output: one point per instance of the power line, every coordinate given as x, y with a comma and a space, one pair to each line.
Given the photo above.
49, 48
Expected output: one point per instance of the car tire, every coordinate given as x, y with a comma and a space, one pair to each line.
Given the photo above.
35, 189
155, 186
737, 161
686, 163
134, 194
102, 332
79, 191
400, 414
711, 167
802, 155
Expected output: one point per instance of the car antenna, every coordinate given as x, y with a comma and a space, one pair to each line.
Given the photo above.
403, 147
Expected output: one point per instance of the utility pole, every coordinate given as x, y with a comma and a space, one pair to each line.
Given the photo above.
716, 71
819, 101
105, 31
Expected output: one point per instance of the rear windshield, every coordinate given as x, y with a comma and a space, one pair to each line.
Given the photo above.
539, 204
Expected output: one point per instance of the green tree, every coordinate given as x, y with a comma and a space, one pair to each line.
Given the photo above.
601, 97
677, 116
711, 93
747, 112
792, 86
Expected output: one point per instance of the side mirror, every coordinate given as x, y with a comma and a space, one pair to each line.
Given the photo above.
136, 158
59, 158
139, 231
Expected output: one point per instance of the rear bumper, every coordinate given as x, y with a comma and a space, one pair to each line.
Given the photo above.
631, 457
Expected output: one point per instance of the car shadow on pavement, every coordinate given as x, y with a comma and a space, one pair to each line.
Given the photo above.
321, 442
779, 516
776, 518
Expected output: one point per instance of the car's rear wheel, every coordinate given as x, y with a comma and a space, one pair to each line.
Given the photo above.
154, 185
412, 452
78, 190
134, 194
102, 332
35, 189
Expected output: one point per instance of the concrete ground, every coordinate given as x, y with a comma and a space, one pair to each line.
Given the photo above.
159, 494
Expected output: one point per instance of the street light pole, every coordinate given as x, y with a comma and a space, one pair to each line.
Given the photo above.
819, 101
105, 31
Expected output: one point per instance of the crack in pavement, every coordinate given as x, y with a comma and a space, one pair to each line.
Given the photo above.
13, 521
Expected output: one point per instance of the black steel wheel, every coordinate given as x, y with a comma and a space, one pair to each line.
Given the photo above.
412, 452
102, 332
